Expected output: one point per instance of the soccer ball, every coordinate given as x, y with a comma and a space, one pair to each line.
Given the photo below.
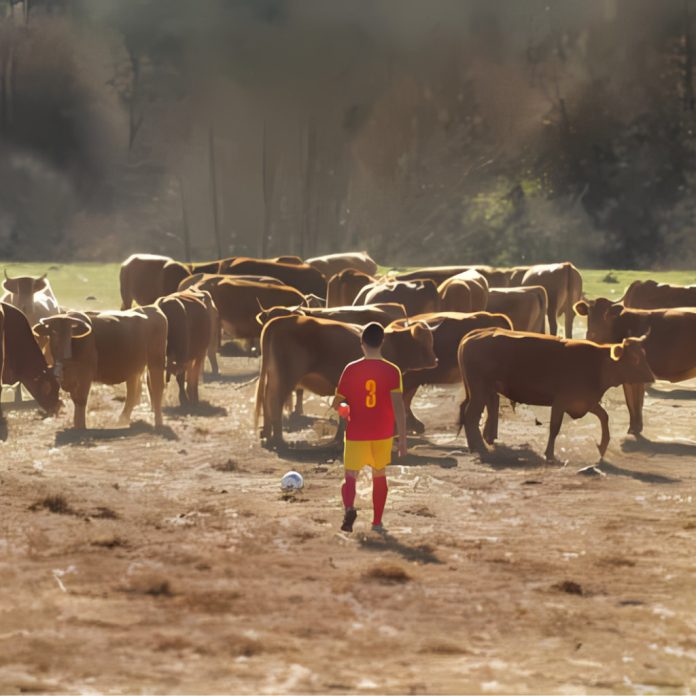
292, 481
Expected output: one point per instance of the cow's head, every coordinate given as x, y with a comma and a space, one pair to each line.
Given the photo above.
23, 289
630, 356
411, 347
602, 318
61, 330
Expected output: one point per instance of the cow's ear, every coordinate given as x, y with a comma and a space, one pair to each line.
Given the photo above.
581, 308
613, 311
40, 283
617, 351
10, 284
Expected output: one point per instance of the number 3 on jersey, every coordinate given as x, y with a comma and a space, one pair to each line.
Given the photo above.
371, 398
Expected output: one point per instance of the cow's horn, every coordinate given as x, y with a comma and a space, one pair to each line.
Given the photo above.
261, 307
80, 323
6, 276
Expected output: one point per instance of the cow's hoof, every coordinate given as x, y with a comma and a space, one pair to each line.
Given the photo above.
415, 428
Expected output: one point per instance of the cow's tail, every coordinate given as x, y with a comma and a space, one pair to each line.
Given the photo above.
124, 282
263, 374
573, 285
543, 308
467, 392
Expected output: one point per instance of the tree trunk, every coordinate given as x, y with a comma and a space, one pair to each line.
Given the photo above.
214, 191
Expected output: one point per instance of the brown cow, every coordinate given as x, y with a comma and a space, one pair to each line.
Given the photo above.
344, 287
417, 297
331, 264
526, 307
465, 292
383, 314
239, 301
448, 330
293, 260
22, 359
146, 277
569, 376
205, 281
563, 285
649, 294
188, 338
311, 353
109, 347
670, 346
302, 277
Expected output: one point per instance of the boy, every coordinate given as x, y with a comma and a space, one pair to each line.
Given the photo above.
373, 390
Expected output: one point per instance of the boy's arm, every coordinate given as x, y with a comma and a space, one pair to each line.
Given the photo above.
400, 416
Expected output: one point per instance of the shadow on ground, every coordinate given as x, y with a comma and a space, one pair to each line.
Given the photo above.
386, 542
642, 444
73, 436
505, 457
242, 379
685, 394
203, 408
645, 477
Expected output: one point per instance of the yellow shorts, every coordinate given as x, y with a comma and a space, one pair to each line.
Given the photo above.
374, 453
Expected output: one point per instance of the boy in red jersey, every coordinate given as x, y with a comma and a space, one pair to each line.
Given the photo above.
373, 390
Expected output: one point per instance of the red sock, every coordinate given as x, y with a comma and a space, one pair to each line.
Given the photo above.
348, 491
379, 497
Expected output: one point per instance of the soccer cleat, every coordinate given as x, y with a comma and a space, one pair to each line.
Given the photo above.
378, 528
348, 519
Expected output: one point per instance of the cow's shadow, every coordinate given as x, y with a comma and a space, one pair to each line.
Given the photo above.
609, 468
640, 443
241, 379
680, 394
87, 436
303, 452
386, 542
203, 408
412, 459
505, 457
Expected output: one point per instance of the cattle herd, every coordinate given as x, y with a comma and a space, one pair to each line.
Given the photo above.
480, 326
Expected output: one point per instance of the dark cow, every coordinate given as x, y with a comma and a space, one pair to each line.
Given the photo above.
670, 346
526, 307
569, 376
311, 353
648, 294
299, 276
146, 277
22, 359
188, 338
344, 287
383, 314
331, 264
448, 330
465, 292
108, 347
417, 297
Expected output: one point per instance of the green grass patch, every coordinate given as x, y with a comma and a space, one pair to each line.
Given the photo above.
75, 283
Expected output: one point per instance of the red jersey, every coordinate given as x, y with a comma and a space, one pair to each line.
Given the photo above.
367, 385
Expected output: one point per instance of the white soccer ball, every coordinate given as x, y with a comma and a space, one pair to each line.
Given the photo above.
292, 481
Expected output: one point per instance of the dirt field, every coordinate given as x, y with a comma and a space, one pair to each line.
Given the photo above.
138, 561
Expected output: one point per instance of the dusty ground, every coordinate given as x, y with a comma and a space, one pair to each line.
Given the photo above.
174, 564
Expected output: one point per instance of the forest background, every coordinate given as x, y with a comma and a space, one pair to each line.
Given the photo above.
433, 131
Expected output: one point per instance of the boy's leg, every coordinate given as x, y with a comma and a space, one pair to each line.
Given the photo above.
382, 458
355, 455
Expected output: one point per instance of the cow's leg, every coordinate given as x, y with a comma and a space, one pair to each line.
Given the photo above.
635, 394
18, 394
193, 376
155, 387
604, 422
181, 381
552, 314
214, 345
490, 429
133, 387
413, 425
569, 316
554, 428
472, 419
299, 403
79, 398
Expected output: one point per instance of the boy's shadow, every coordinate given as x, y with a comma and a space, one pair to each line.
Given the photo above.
386, 542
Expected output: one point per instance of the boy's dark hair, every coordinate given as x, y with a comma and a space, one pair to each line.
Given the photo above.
373, 335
